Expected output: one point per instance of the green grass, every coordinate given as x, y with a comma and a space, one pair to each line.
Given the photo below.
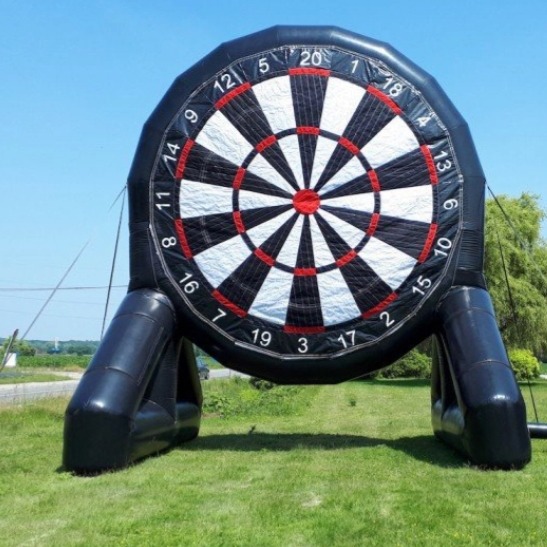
76, 363
354, 464
25, 377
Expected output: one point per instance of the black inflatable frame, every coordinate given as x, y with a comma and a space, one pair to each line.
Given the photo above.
141, 393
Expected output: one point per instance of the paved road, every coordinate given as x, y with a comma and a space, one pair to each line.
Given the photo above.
17, 393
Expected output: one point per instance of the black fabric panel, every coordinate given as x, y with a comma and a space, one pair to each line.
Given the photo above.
273, 245
403, 172
338, 247
358, 185
305, 258
205, 166
207, 231
304, 308
367, 288
407, 236
359, 219
255, 217
308, 98
202, 165
247, 117
307, 145
370, 117
242, 286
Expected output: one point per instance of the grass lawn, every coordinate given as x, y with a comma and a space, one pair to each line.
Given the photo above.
24, 377
353, 464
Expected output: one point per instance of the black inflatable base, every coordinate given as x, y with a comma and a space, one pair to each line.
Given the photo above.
537, 430
477, 406
141, 393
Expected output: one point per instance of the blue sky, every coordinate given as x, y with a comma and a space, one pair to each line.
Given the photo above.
78, 80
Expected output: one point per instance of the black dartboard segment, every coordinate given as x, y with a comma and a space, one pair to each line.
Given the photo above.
305, 201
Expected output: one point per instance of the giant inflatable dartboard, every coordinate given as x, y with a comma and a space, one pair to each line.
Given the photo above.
306, 205
304, 202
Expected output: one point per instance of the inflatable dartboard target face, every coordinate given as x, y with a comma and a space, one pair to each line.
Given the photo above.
304, 192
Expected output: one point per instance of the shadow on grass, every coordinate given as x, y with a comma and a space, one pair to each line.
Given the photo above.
396, 382
423, 447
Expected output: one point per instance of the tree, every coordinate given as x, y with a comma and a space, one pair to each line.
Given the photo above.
22, 347
522, 309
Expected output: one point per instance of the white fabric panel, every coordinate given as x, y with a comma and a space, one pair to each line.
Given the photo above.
197, 199
341, 100
348, 232
291, 149
259, 234
321, 252
391, 142
275, 99
390, 264
218, 262
351, 170
221, 137
264, 169
289, 251
415, 203
272, 300
356, 202
323, 152
254, 200
337, 302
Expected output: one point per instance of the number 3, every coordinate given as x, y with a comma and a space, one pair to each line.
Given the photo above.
303, 347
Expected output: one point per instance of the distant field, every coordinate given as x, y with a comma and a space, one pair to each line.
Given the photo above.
353, 464
56, 361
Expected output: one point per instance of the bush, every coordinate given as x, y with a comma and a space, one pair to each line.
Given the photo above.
413, 365
261, 385
525, 364
234, 397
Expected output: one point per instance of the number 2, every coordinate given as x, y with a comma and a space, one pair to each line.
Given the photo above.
384, 316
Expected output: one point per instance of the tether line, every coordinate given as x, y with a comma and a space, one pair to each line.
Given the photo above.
68, 270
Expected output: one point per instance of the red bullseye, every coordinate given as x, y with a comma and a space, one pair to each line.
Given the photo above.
306, 202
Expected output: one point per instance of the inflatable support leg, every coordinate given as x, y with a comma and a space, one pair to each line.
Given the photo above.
140, 394
477, 406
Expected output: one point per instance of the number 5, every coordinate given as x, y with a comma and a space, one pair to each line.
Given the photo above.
263, 65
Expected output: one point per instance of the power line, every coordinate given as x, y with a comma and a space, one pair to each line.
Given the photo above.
64, 276
24, 289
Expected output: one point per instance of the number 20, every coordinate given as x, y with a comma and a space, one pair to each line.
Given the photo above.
311, 58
